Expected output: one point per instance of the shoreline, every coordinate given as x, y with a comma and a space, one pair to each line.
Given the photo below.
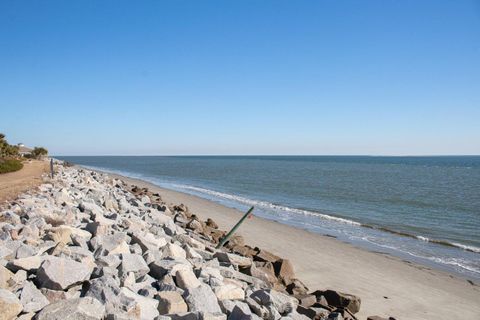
457, 258
388, 286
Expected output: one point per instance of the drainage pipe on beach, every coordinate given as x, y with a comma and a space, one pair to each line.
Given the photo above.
235, 227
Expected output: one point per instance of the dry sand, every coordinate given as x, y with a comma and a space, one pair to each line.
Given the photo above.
387, 285
14, 183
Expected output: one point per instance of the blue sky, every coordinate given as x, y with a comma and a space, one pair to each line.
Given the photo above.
241, 77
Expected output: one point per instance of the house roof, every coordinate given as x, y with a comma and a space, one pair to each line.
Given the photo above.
23, 149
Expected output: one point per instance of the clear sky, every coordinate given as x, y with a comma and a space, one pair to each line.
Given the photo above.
241, 77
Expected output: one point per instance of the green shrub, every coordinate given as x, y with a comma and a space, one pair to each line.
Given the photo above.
9, 165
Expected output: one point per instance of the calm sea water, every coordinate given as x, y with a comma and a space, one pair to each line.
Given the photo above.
425, 209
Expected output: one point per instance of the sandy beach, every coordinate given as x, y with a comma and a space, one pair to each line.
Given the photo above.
388, 286
14, 183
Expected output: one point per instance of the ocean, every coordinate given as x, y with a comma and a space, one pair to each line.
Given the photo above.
421, 209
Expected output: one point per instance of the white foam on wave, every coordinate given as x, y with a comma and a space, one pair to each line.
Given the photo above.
465, 247
422, 238
449, 261
456, 262
264, 204
453, 244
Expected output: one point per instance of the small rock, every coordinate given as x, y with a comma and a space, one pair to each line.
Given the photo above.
54, 295
341, 300
284, 270
297, 287
294, 315
281, 302
195, 225
5, 276
185, 239
306, 300
111, 204
32, 299
10, 306
264, 272
233, 259
239, 313
211, 223
97, 228
24, 251
172, 250
335, 316
148, 307
18, 280
133, 263
107, 290
258, 309
79, 308
29, 264
90, 208
192, 254
62, 234
229, 292
160, 267
148, 242
170, 302
201, 299
266, 256
212, 316
186, 279
26, 316
145, 199
110, 244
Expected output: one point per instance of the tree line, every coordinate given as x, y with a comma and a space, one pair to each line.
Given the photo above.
12, 151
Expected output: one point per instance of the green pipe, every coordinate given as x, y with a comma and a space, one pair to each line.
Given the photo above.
235, 227
51, 166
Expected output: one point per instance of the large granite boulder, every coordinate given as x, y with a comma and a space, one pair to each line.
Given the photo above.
60, 273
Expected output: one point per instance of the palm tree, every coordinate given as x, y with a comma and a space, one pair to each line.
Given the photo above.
7, 150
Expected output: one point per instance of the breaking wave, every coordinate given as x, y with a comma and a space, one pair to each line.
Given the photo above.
272, 206
265, 204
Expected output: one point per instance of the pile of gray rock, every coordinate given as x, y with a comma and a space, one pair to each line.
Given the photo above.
88, 246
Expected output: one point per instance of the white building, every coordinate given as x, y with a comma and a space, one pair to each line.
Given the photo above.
23, 151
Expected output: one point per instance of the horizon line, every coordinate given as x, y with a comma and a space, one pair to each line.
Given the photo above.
268, 155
